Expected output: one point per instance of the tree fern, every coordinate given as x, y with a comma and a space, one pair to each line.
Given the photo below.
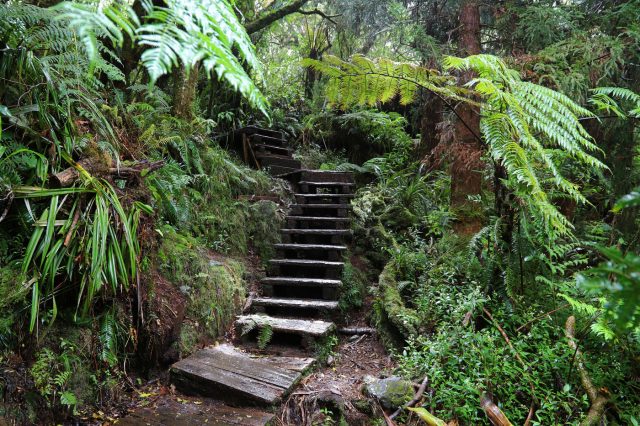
180, 33
524, 125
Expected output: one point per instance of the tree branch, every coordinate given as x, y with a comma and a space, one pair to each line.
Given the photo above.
269, 18
319, 13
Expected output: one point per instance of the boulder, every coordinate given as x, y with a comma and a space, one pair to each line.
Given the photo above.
391, 392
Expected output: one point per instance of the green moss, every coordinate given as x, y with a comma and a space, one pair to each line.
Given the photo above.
393, 319
354, 287
214, 287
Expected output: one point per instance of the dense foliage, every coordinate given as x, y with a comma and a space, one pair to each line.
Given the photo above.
496, 150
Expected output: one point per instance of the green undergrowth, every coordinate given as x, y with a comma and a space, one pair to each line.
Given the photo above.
214, 286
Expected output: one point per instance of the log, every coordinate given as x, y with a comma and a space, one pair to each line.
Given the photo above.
70, 175
352, 331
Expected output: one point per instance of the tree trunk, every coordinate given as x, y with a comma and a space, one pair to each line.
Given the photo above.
184, 91
431, 115
466, 167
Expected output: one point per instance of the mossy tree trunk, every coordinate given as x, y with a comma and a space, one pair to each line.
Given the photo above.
184, 91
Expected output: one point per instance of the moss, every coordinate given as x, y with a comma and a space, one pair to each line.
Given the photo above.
354, 287
395, 322
12, 294
213, 285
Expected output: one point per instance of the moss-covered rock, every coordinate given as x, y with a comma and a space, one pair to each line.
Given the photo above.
392, 392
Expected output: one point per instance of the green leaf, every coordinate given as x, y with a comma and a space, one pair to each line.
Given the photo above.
630, 200
427, 417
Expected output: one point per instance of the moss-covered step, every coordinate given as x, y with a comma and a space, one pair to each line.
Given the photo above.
308, 282
228, 374
282, 302
308, 330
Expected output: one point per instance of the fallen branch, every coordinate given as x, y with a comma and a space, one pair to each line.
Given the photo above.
598, 399
540, 317
70, 175
352, 331
414, 401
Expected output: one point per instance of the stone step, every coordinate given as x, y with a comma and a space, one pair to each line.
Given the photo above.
185, 412
228, 374
328, 247
308, 328
302, 282
303, 231
295, 303
306, 262
312, 196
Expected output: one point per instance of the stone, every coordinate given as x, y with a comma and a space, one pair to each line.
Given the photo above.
392, 392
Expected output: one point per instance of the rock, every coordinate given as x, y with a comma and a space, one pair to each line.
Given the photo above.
391, 392
354, 338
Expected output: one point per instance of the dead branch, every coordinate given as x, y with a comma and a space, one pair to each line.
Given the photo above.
540, 317
414, 401
70, 175
319, 13
598, 399
352, 331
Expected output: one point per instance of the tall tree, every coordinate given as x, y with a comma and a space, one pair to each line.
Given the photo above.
466, 167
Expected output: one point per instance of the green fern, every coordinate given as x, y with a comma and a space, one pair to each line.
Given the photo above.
524, 125
180, 33
264, 336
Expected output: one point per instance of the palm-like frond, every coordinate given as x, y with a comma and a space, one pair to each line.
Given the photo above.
524, 124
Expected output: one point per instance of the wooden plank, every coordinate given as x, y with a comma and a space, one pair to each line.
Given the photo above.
325, 195
244, 366
282, 246
287, 362
307, 262
312, 183
323, 206
315, 328
190, 377
319, 282
316, 231
324, 175
318, 218
227, 373
295, 303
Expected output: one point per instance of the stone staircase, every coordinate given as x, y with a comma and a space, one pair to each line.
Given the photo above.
298, 298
